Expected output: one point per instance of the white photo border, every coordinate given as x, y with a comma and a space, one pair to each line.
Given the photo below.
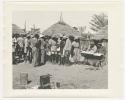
114, 48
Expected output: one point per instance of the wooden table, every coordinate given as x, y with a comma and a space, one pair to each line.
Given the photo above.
97, 56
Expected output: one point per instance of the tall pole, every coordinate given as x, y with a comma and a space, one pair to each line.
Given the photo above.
25, 27
61, 17
34, 26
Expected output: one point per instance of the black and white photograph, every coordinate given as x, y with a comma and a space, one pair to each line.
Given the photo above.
59, 50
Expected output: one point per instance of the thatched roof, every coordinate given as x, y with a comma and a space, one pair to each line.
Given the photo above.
17, 30
61, 28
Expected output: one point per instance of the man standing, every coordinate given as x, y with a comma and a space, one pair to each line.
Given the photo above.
53, 46
29, 49
67, 49
42, 50
20, 42
35, 50
25, 48
62, 45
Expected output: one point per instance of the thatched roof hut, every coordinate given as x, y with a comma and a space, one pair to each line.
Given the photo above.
17, 30
61, 28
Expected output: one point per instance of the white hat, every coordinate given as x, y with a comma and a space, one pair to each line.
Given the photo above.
41, 35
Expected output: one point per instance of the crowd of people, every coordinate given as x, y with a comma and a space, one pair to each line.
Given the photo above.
39, 49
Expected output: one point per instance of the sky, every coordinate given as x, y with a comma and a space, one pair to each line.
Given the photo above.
43, 20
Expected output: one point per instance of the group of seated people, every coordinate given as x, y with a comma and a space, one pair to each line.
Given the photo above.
39, 49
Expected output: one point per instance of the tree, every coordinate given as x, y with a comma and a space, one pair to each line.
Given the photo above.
98, 21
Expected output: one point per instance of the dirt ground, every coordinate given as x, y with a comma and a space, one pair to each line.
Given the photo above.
69, 77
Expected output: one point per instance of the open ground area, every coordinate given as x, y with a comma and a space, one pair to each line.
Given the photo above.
69, 77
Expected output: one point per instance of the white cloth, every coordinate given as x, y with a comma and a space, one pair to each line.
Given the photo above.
53, 45
93, 49
25, 45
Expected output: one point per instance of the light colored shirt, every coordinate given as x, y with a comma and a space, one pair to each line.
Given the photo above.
53, 45
42, 43
20, 41
50, 41
68, 45
75, 44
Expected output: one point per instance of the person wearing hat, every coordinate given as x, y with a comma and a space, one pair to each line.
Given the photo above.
53, 46
42, 50
67, 49
62, 44
76, 50
47, 49
20, 42
29, 49
35, 50
92, 48
59, 49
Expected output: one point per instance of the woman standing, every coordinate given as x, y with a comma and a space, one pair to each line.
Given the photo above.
35, 50
76, 50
